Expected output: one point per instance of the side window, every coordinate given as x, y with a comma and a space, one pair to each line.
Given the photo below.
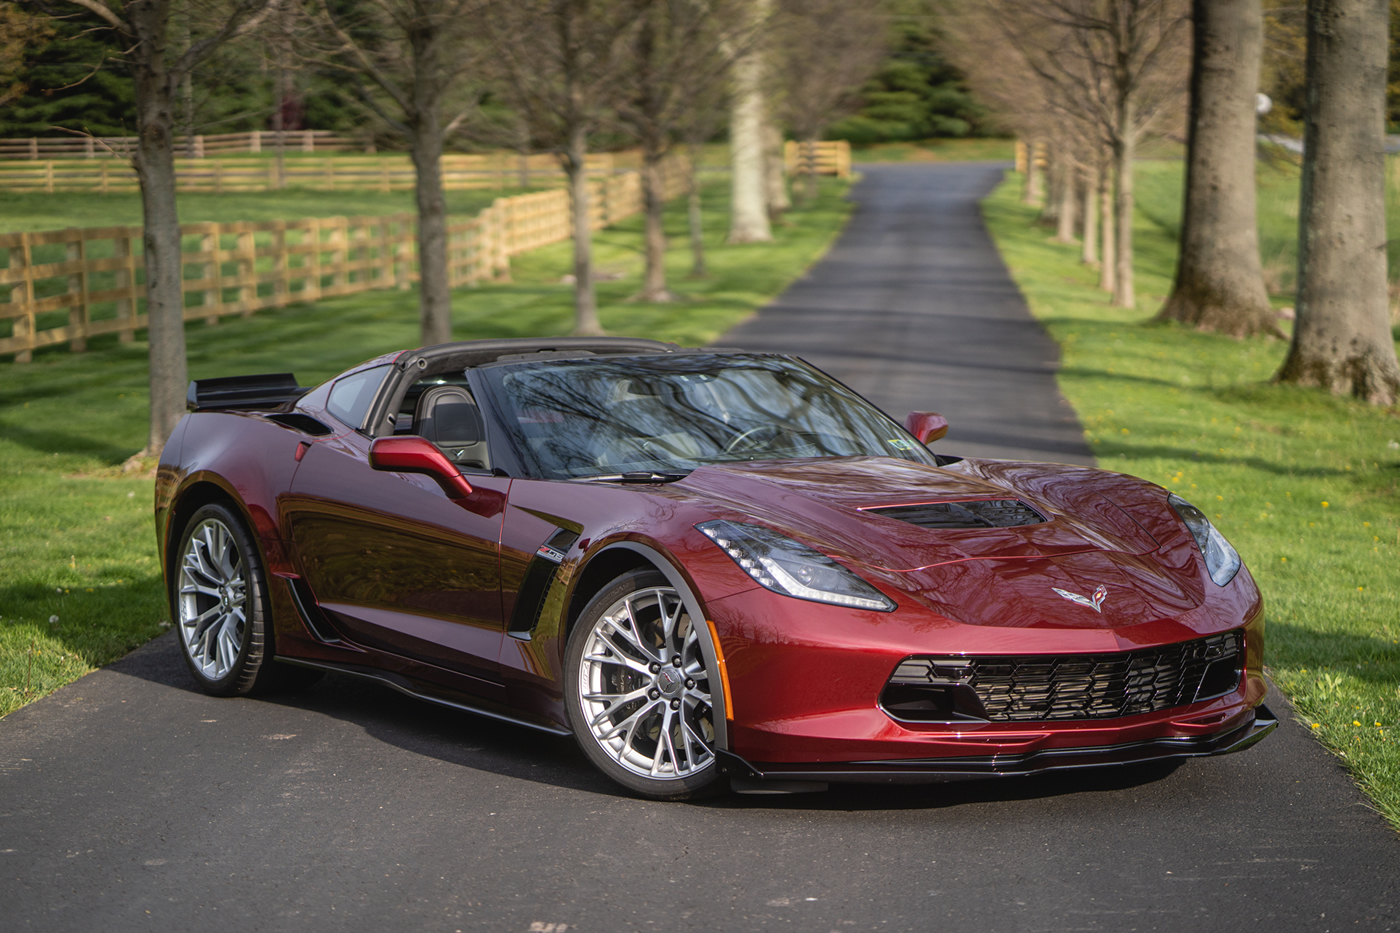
351, 397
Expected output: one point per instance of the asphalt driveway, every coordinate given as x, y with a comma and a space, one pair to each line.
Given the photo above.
130, 801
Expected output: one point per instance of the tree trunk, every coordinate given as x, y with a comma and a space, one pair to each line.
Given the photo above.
809, 169
155, 167
187, 89
585, 300
748, 207
1089, 253
1064, 232
654, 198
1108, 267
1054, 184
1219, 282
434, 293
775, 170
1124, 152
1035, 181
696, 217
1341, 338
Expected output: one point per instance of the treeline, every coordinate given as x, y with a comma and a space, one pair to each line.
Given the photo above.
1087, 80
559, 76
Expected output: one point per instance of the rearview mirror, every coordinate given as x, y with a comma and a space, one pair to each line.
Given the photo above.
927, 426
409, 453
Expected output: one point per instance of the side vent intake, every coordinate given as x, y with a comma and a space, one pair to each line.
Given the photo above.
303, 423
539, 577
973, 513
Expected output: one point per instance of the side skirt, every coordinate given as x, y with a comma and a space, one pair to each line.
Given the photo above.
406, 687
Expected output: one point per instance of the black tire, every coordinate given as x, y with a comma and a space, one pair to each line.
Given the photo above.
683, 764
221, 609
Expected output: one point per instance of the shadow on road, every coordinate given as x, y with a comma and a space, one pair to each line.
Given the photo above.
482, 744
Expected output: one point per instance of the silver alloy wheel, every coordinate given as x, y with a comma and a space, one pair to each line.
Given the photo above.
644, 689
213, 599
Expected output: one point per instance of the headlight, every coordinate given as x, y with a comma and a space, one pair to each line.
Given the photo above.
785, 566
1222, 561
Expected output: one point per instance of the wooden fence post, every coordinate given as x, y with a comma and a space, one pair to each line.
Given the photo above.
78, 284
126, 281
24, 325
213, 270
247, 272
281, 264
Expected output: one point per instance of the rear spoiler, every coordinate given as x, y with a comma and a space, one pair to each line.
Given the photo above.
243, 392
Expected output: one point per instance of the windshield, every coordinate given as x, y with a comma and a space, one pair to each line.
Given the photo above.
671, 414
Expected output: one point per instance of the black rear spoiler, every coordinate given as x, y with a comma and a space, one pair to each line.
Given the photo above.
244, 392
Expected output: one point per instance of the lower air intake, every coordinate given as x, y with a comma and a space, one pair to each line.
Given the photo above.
1037, 688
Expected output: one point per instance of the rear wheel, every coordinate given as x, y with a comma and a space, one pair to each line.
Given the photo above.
221, 607
638, 690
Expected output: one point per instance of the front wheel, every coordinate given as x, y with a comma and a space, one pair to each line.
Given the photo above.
638, 690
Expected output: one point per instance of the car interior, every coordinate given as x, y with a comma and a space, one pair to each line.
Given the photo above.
442, 410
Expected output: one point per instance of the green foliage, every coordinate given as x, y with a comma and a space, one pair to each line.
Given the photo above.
1306, 485
76, 540
65, 87
917, 94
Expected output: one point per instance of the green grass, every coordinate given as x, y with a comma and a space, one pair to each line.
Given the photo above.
30, 212
76, 536
938, 150
1306, 485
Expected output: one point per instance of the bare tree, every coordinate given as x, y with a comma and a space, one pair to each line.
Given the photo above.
1341, 338
563, 65
748, 202
1119, 65
408, 59
824, 51
158, 71
1219, 281
677, 59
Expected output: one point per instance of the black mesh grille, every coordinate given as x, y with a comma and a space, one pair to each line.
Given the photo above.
1049, 687
977, 513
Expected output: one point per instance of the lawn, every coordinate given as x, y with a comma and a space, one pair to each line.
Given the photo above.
1306, 485
79, 581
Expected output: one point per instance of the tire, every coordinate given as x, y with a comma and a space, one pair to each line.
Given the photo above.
643, 720
219, 600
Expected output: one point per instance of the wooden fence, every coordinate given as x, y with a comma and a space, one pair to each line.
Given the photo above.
68, 285
96, 147
825, 158
323, 173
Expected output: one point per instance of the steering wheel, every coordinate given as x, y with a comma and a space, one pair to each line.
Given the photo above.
754, 437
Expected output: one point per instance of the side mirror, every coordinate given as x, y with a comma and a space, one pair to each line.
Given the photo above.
409, 453
927, 426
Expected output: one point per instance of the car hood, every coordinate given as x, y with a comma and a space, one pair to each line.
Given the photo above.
1002, 576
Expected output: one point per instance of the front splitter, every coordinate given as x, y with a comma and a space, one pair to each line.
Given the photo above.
931, 770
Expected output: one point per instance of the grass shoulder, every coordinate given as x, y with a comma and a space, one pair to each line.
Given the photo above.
1306, 485
81, 585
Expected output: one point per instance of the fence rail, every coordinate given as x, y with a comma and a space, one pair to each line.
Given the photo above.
827, 157
324, 173
68, 285
96, 147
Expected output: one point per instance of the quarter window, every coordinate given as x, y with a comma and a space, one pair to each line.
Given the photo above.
351, 397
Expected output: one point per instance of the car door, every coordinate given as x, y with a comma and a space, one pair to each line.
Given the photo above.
396, 564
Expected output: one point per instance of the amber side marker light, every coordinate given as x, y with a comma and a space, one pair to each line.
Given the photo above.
723, 671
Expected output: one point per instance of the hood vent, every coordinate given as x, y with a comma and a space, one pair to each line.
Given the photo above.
977, 513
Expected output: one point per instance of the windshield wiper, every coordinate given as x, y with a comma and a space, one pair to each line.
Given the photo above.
635, 476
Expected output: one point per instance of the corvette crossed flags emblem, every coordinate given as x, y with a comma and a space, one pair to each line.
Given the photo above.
1093, 603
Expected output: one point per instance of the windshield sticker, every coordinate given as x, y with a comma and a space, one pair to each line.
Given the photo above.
899, 444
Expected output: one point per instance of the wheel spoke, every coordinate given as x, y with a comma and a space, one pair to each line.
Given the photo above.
611, 710
620, 659
663, 742
630, 723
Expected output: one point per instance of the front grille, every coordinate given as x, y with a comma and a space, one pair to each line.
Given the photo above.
1035, 688
972, 513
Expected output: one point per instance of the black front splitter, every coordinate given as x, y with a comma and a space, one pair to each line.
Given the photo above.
931, 770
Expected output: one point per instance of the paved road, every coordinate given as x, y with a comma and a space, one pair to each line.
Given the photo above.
130, 801
913, 309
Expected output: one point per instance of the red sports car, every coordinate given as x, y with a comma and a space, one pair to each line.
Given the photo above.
703, 564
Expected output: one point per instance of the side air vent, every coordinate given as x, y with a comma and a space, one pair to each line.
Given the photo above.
973, 513
303, 423
539, 577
